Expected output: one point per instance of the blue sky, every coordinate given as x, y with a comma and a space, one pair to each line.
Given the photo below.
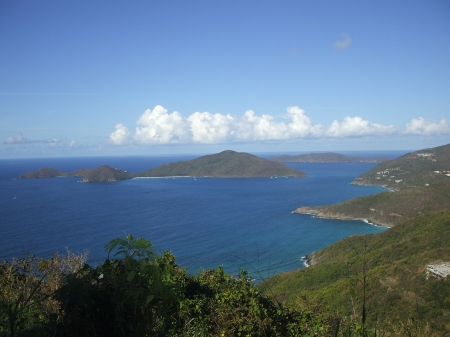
153, 77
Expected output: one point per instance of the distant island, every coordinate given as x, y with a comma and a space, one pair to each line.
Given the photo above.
328, 157
104, 173
226, 164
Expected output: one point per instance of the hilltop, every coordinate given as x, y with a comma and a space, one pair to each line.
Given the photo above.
328, 157
384, 272
105, 173
226, 164
419, 168
387, 208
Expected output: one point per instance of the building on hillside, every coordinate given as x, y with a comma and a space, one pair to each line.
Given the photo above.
438, 270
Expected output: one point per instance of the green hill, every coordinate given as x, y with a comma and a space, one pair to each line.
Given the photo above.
387, 208
226, 164
328, 157
380, 277
105, 173
419, 168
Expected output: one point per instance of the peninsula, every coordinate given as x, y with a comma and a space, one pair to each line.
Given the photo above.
420, 182
226, 164
328, 157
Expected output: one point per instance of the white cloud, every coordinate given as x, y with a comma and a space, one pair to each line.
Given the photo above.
358, 127
421, 126
158, 126
72, 143
20, 139
344, 43
210, 128
121, 136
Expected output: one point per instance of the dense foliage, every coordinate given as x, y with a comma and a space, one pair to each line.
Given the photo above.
137, 293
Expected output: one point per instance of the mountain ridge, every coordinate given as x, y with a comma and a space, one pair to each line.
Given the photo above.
326, 157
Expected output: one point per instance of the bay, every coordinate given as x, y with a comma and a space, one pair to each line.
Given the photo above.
205, 222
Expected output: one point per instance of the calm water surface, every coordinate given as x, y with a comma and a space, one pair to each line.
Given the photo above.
206, 222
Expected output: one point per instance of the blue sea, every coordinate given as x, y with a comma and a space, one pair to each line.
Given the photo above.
205, 222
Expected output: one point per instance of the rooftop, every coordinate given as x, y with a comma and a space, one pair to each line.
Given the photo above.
441, 270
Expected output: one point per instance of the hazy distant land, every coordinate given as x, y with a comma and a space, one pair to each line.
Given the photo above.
328, 157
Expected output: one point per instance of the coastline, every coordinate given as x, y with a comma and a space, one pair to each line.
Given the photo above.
308, 260
318, 214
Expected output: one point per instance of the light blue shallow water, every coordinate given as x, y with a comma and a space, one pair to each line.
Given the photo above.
245, 223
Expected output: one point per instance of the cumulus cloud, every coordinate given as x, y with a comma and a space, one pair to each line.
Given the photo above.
121, 136
158, 126
344, 43
358, 127
421, 126
211, 128
20, 139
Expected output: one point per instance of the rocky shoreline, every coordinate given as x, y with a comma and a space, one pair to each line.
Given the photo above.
320, 213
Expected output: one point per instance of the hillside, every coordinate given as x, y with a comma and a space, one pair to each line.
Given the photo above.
105, 173
384, 272
387, 208
419, 168
328, 157
226, 164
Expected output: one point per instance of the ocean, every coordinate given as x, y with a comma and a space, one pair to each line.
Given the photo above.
205, 222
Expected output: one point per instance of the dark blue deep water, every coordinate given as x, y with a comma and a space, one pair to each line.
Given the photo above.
205, 222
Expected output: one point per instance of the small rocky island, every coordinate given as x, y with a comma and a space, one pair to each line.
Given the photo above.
103, 173
328, 157
226, 164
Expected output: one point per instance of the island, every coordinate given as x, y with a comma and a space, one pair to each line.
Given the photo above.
226, 164
328, 157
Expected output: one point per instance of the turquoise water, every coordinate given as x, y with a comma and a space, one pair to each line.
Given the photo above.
206, 222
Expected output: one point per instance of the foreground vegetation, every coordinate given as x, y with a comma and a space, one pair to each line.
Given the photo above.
378, 278
363, 286
138, 293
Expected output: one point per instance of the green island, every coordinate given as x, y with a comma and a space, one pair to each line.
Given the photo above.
226, 164
327, 157
394, 283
